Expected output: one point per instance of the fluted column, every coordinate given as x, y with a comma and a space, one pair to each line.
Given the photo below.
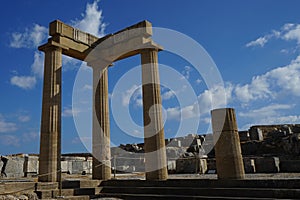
229, 158
101, 129
155, 151
50, 143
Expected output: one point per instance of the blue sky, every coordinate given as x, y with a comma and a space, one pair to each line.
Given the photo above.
254, 44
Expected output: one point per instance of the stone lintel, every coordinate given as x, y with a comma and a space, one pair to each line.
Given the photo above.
59, 28
51, 44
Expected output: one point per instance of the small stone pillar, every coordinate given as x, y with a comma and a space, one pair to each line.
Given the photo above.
101, 127
155, 151
50, 143
227, 144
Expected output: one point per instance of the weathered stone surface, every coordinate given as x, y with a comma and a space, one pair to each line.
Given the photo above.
289, 165
191, 165
14, 167
249, 165
267, 164
227, 144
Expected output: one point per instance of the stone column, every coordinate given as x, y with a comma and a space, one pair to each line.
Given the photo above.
155, 151
50, 144
101, 130
229, 158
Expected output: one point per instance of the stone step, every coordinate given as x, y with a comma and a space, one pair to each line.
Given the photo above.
74, 198
46, 194
163, 197
196, 183
223, 192
68, 184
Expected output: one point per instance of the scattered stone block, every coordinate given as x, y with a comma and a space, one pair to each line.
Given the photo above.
191, 165
290, 166
249, 165
267, 165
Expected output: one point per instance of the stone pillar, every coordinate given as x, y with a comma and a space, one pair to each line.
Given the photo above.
227, 144
101, 130
155, 151
50, 143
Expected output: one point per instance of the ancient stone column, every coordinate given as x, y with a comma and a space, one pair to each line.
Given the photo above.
229, 158
50, 144
155, 151
101, 130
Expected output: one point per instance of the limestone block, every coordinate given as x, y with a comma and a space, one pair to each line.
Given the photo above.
289, 166
249, 165
31, 164
267, 164
14, 167
191, 165
77, 167
64, 166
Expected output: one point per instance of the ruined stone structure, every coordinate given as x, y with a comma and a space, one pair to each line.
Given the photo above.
227, 144
100, 53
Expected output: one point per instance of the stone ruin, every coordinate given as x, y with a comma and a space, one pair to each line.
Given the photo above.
265, 149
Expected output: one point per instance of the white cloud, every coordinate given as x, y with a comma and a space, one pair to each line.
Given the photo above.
10, 140
30, 38
287, 32
6, 127
168, 95
198, 81
24, 82
186, 72
293, 32
37, 66
28, 137
92, 21
69, 112
208, 100
265, 112
261, 41
270, 114
24, 118
267, 86
135, 92
87, 87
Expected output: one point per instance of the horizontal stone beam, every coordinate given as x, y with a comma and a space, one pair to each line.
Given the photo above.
79, 44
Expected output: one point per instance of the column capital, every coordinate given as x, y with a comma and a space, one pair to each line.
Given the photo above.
52, 45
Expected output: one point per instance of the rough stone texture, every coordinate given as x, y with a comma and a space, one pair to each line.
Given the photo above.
155, 152
227, 148
267, 164
191, 165
249, 165
14, 167
101, 130
289, 165
50, 144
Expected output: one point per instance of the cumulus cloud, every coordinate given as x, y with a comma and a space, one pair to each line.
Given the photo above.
10, 140
6, 127
92, 20
24, 118
209, 99
270, 114
31, 38
24, 82
287, 32
132, 94
261, 41
292, 32
70, 112
284, 79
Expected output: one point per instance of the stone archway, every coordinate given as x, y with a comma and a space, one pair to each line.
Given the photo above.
99, 53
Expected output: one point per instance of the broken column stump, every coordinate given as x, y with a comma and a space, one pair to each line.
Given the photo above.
227, 144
